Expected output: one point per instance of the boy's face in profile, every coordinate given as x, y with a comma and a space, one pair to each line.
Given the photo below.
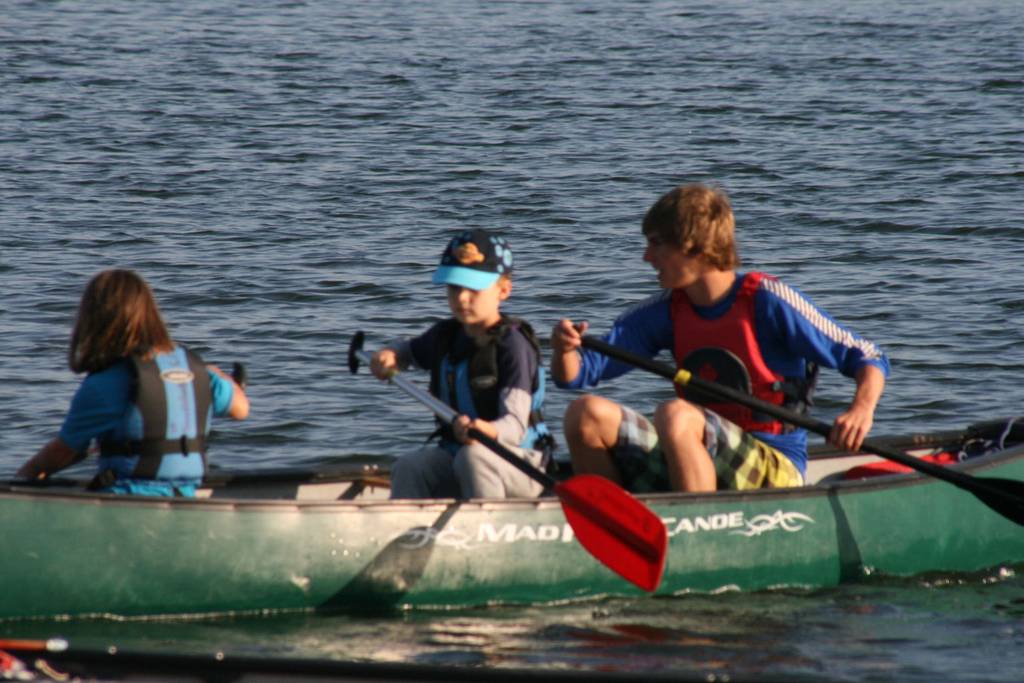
675, 267
479, 308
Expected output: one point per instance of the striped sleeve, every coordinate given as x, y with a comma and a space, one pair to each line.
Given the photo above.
788, 323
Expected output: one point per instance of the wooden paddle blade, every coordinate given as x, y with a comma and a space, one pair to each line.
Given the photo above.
616, 528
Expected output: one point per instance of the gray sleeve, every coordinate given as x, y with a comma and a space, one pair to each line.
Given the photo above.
514, 415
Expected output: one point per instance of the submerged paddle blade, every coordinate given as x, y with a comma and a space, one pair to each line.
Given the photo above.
616, 528
1005, 496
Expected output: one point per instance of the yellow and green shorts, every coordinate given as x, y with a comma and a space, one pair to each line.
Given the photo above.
741, 461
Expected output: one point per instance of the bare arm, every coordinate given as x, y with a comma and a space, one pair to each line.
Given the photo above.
239, 408
852, 427
53, 457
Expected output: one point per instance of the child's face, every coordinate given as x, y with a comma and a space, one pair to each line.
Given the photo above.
478, 308
676, 268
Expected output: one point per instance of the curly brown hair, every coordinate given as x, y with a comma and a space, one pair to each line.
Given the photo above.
698, 219
117, 317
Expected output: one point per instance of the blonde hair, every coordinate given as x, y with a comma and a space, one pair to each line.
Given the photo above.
117, 317
697, 219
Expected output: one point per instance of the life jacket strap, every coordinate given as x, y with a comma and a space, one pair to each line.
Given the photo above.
155, 448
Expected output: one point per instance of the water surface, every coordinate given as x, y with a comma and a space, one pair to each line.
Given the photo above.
286, 173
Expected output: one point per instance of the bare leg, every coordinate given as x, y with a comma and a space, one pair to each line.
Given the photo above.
680, 427
592, 429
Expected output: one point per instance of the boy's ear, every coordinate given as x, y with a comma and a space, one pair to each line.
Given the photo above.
504, 288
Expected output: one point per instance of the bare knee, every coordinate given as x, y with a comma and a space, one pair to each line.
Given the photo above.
592, 430
593, 421
679, 417
680, 427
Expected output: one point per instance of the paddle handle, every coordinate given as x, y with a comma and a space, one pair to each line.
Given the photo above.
448, 415
34, 645
239, 374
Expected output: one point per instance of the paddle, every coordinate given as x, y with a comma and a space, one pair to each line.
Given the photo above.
1005, 496
612, 525
239, 374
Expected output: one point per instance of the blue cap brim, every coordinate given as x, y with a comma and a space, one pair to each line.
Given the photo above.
464, 277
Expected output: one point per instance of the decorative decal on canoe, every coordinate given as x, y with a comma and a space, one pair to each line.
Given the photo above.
787, 521
486, 533
737, 523
424, 536
489, 534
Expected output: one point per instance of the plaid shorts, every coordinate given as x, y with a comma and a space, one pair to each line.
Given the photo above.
741, 461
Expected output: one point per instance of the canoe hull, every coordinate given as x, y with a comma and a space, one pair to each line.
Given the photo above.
77, 554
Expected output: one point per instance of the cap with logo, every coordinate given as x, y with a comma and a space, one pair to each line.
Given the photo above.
474, 259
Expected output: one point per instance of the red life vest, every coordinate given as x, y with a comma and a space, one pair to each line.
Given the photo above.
725, 350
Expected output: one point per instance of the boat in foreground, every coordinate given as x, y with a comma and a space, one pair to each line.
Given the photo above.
330, 540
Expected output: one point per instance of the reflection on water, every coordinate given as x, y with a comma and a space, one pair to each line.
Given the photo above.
910, 629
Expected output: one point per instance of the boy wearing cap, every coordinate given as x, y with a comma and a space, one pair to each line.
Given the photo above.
748, 331
487, 366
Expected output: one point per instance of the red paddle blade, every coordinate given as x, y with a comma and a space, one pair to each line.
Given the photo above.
616, 528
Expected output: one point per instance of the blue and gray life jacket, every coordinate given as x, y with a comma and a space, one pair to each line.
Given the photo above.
469, 381
169, 423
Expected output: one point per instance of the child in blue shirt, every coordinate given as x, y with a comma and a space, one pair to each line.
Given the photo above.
146, 401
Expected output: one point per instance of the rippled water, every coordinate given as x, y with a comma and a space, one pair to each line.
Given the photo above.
286, 173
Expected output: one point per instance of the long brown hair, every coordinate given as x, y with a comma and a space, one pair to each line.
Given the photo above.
117, 317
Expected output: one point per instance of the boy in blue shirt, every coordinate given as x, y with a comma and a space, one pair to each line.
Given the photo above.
748, 331
486, 366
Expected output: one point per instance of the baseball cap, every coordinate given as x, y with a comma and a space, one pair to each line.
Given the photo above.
474, 259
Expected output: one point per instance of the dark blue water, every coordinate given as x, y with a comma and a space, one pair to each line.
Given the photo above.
286, 173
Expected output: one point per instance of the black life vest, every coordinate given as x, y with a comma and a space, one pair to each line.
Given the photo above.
467, 379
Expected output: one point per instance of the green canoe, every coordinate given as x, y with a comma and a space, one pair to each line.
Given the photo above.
289, 540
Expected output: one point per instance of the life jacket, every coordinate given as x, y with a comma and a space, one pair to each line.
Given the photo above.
735, 360
468, 381
171, 394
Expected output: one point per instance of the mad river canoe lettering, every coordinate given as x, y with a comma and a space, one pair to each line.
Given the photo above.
487, 533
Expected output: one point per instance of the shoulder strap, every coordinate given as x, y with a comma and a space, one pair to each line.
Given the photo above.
445, 339
149, 395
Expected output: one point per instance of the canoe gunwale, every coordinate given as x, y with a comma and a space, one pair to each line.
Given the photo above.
974, 466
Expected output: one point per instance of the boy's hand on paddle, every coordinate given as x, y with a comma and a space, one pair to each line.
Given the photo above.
852, 427
462, 424
384, 364
567, 336
566, 340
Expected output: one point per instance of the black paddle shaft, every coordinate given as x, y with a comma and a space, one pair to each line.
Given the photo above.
1005, 496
